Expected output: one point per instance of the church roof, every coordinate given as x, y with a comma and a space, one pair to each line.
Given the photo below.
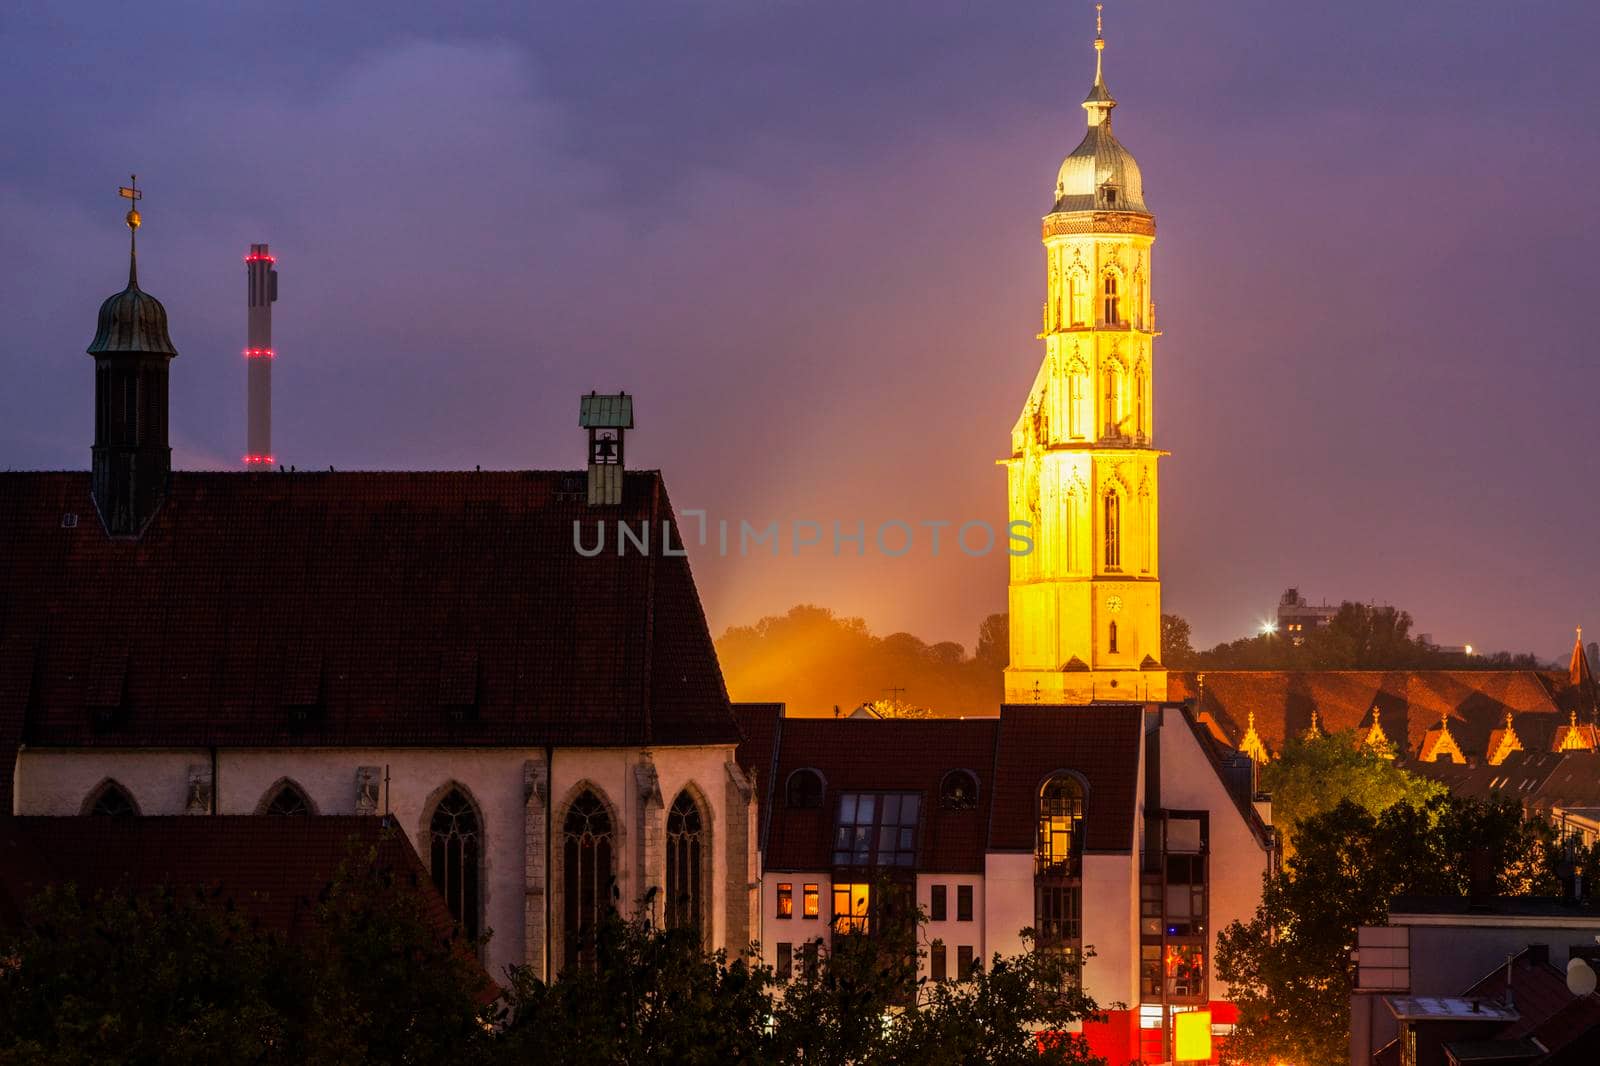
1100, 160
346, 609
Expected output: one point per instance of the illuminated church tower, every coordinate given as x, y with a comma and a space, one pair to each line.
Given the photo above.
1086, 602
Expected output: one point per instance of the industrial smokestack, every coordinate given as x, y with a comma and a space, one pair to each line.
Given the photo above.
259, 354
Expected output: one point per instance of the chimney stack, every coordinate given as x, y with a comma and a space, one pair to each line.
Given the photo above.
262, 277
607, 418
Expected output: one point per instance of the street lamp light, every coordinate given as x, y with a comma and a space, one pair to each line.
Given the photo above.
1268, 628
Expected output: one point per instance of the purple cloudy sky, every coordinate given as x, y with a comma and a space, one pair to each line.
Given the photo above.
806, 235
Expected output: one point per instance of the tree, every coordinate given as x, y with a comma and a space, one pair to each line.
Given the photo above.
1315, 774
178, 974
994, 641
1289, 967
653, 996
814, 660
1176, 652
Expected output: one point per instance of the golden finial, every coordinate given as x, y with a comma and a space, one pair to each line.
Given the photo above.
131, 192
1099, 40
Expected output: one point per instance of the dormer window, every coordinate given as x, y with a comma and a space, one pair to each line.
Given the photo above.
804, 789
1108, 195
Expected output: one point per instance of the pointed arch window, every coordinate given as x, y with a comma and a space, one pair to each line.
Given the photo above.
1111, 306
1141, 382
1113, 402
685, 864
1082, 295
112, 801
1147, 533
1112, 522
1069, 532
1111, 637
586, 852
456, 843
287, 800
1077, 398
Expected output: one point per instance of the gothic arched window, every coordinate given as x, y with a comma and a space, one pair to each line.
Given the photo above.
1081, 296
1058, 870
1077, 388
1111, 638
1112, 415
685, 855
112, 801
804, 789
586, 854
456, 840
1112, 306
1113, 533
287, 799
1140, 393
1147, 532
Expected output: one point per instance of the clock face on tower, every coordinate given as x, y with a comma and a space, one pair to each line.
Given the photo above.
1113, 604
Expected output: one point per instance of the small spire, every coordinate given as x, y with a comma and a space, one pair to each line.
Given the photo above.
1099, 44
1099, 102
133, 219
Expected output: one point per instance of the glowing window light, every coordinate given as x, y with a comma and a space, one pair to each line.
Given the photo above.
260, 353
1192, 1036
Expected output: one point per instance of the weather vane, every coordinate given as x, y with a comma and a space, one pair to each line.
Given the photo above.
131, 192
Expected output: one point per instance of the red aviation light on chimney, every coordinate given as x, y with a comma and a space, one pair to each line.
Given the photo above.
263, 460
258, 258
260, 353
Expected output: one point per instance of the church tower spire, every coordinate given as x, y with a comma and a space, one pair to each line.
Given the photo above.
131, 349
1086, 602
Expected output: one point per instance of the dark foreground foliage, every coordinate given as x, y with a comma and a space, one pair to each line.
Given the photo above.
177, 975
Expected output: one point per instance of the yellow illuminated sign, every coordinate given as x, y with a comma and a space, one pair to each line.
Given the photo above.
1192, 1036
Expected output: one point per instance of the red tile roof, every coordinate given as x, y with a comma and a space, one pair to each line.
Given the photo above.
361, 603
1100, 742
1411, 702
273, 869
889, 755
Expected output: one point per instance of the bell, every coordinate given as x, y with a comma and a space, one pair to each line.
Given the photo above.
605, 450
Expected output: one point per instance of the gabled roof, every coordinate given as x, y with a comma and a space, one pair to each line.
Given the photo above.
882, 755
341, 609
1410, 702
1101, 742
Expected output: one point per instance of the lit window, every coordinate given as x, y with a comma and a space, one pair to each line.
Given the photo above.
851, 907
810, 901
1058, 853
958, 791
785, 900
876, 829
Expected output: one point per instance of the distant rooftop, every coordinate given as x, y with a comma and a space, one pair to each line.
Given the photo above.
1451, 1008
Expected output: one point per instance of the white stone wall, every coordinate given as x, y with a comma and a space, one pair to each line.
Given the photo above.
1007, 900
954, 933
1238, 860
1111, 927
56, 782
